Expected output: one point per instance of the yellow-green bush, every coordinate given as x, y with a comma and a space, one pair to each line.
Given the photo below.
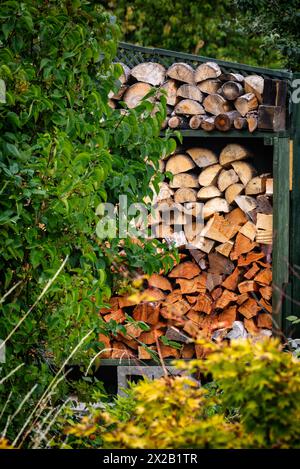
254, 403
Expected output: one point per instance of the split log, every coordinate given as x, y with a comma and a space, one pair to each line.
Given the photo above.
208, 124
178, 122
226, 179
185, 194
269, 186
209, 175
179, 163
264, 277
149, 338
249, 308
173, 297
190, 92
232, 191
227, 317
219, 264
246, 103
252, 122
215, 104
147, 312
165, 192
216, 293
256, 185
195, 122
189, 107
202, 156
242, 245
119, 350
242, 298
175, 310
265, 305
204, 304
210, 86
263, 205
117, 316
158, 281
271, 118
224, 122
249, 230
232, 77
244, 170
246, 203
249, 258
236, 217
205, 245
194, 285
213, 280
231, 90
184, 180
207, 70
247, 286
250, 326
226, 298
250, 274
170, 86
215, 205
191, 328
219, 229
266, 292
185, 270
264, 226
182, 72
231, 282
240, 123
135, 93
254, 84
149, 72
144, 354
264, 320
208, 192
225, 248
233, 152
192, 230
175, 334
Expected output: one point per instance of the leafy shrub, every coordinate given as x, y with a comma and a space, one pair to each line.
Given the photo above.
63, 150
253, 402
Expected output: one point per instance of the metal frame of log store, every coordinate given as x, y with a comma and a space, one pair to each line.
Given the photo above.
283, 141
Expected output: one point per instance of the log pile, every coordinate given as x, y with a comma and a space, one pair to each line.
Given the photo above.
206, 97
218, 212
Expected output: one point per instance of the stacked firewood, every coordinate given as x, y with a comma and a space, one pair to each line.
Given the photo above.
218, 212
206, 97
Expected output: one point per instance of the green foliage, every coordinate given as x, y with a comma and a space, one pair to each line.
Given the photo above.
63, 151
276, 23
252, 402
209, 28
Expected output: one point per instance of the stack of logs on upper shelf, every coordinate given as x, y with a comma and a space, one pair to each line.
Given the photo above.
207, 98
218, 212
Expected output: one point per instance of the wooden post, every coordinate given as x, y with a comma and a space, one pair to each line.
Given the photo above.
295, 204
281, 211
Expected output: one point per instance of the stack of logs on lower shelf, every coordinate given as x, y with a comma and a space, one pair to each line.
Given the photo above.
224, 275
207, 97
